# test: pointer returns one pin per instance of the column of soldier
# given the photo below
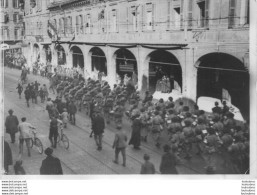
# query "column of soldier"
(190, 131)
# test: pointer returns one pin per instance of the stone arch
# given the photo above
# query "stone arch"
(61, 55)
(98, 60)
(77, 57)
(223, 76)
(126, 64)
(48, 53)
(164, 63)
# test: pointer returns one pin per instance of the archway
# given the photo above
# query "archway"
(61, 56)
(164, 68)
(224, 76)
(48, 54)
(77, 57)
(126, 65)
(36, 53)
(98, 60)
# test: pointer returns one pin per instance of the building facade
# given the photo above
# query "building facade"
(202, 46)
(12, 26)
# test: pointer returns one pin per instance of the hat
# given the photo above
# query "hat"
(10, 111)
(48, 151)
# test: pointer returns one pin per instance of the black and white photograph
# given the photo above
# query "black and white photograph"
(128, 87)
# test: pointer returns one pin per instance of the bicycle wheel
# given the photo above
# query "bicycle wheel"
(65, 141)
(31, 143)
(39, 145)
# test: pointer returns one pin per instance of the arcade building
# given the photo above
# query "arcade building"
(200, 46)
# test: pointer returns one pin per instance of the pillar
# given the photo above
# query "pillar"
(143, 70)
(87, 61)
(111, 66)
(189, 73)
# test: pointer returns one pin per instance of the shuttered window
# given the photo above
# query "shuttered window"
(207, 8)
(232, 13)
(77, 24)
(81, 24)
(181, 14)
(149, 16)
(190, 14)
(88, 23)
(16, 3)
(4, 3)
(203, 21)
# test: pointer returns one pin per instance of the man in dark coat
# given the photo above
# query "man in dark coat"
(217, 109)
(7, 156)
(27, 93)
(53, 133)
(11, 125)
(51, 165)
(136, 133)
(98, 125)
(72, 111)
(169, 161)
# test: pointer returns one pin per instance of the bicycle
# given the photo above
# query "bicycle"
(62, 137)
(37, 142)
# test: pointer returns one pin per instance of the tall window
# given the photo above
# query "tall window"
(6, 34)
(16, 34)
(4, 3)
(149, 16)
(69, 25)
(16, 3)
(114, 20)
(203, 14)
(20, 18)
(79, 24)
(176, 19)
(6, 18)
(88, 24)
(190, 15)
(15, 17)
(232, 13)
(244, 13)
(134, 18)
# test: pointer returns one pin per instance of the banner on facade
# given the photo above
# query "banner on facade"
(126, 67)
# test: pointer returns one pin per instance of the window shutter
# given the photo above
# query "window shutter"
(13, 3)
(6, 3)
(207, 7)
(81, 24)
(232, 13)
(190, 14)
(77, 24)
(153, 16)
(181, 14)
